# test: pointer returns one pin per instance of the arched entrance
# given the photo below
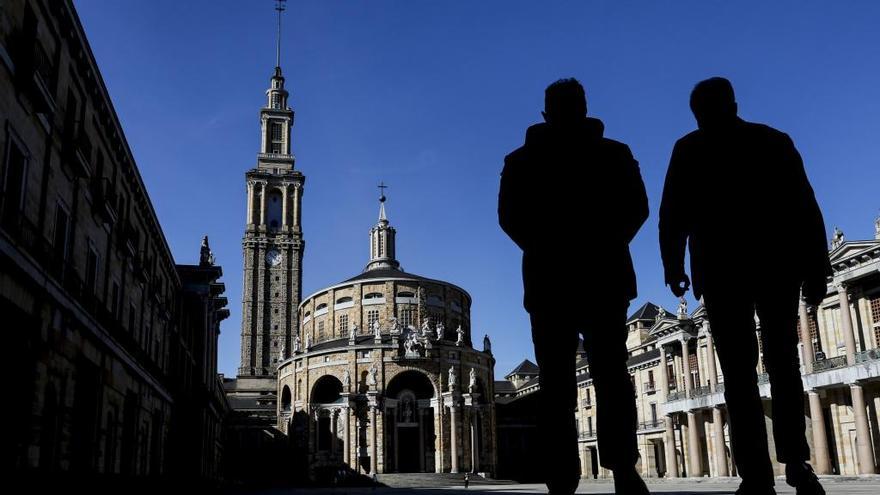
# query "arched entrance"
(409, 416)
(324, 401)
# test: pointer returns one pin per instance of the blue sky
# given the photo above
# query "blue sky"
(430, 96)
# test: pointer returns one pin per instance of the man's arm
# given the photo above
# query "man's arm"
(674, 227)
(635, 198)
(512, 205)
(817, 265)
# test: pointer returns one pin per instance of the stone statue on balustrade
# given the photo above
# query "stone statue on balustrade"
(377, 329)
(487, 344)
(296, 343)
(346, 380)
(372, 376)
(440, 330)
(352, 332)
(453, 379)
(426, 327)
(395, 325)
(460, 332)
(472, 381)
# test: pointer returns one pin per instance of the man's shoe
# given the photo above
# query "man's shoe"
(746, 488)
(800, 475)
(629, 483)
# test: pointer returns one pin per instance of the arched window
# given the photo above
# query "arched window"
(342, 300)
(321, 306)
(285, 399)
(273, 213)
(405, 294)
(374, 295)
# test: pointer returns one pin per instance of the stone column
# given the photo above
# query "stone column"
(710, 358)
(346, 442)
(669, 448)
(686, 366)
(374, 452)
(846, 320)
(718, 433)
(453, 437)
(694, 450)
(438, 433)
(284, 201)
(334, 417)
(865, 452)
(297, 192)
(263, 203)
(820, 441)
(808, 355)
(669, 432)
(250, 202)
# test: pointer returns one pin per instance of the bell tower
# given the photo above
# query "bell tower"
(273, 243)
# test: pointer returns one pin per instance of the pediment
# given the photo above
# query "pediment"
(855, 251)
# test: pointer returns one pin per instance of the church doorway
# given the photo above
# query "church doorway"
(410, 435)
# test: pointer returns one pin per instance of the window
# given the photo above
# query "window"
(589, 426)
(374, 295)
(343, 300)
(14, 181)
(406, 317)
(875, 317)
(653, 412)
(91, 268)
(132, 312)
(61, 234)
(372, 316)
(343, 324)
(405, 294)
(277, 144)
(114, 300)
(320, 330)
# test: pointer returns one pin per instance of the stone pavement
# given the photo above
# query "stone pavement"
(834, 486)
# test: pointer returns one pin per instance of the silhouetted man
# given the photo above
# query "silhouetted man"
(572, 200)
(732, 188)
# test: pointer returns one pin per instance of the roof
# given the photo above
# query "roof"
(525, 368)
(385, 273)
(648, 311)
(504, 387)
(644, 357)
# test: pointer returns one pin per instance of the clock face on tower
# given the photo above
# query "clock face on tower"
(273, 257)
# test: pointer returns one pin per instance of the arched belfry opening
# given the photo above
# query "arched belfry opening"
(409, 416)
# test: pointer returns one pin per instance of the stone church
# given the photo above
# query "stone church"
(383, 377)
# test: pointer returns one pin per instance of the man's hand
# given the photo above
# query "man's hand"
(679, 284)
(814, 290)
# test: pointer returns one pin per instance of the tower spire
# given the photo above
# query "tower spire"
(280, 6)
(382, 246)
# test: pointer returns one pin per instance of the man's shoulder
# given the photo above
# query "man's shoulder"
(764, 131)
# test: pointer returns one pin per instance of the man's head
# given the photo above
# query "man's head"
(713, 103)
(564, 102)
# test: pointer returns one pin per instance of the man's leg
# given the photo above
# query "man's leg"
(555, 347)
(778, 315)
(733, 329)
(605, 344)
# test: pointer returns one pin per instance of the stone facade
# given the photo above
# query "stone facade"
(112, 345)
(382, 375)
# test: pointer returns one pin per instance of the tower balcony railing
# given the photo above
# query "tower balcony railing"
(586, 403)
(676, 395)
(829, 364)
(650, 387)
(868, 355)
(587, 435)
(701, 391)
(653, 424)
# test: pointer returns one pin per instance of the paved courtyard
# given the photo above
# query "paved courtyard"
(833, 487)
